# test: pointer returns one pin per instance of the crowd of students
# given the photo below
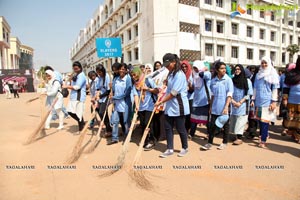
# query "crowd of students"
(181, 95)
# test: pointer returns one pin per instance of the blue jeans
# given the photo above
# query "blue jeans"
(180, 127)
(116, 118)
(264, 130)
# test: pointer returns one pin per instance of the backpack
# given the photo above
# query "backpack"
(64, 91)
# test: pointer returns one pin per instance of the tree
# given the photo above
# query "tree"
(42, 77)
(292, 49)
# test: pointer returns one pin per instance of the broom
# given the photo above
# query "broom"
(122, 155)
(32, 137)
(138, 176)
(31, 100)
(96, 142)
(77, 148)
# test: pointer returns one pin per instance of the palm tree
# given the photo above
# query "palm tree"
(292, 49)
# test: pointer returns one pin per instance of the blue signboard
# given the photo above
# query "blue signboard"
(108, 47)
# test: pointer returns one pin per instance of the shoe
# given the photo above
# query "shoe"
(47, 127)
(191, 137)
(112, 142)
(262, 145)
(107, 135)
(238, 142)
(81, 125)
(167, 153)
(148, 147)
(206, 147)
(222, 146)
(183, 152)
(60, 127)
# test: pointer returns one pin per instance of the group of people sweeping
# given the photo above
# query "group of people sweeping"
(180, 95)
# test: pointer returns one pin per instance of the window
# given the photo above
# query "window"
(136, 53)
(3, 33)
(219, 3)
(283, 21)
(298, 24)
(234, 29)
(249, 11)
(220, 27)
(136, 30)
(136, 7)
(208, 49)
(122, 38)
(249, 54)
(272, 16)
(128, 13)
(129, 34)
(208, 2)
(220, 50)
(234, 52)
(298, 41)
(129, 56)
(249, 31)
(262, 14)
(291, 39)
(283, 57)
(208, 24)
(283, 38)
(273, 56)
(272, 36)
(261, 34)
(122, 19)
(261, 54)
(291, 23)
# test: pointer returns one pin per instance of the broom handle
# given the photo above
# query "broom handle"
(146, 131)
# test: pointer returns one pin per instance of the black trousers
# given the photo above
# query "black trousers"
(214, 129)
(80, 123)
(144, 119)
(101, 110)
(159, 126)
(16, 94)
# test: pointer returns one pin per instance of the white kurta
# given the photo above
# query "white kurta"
(53, 89)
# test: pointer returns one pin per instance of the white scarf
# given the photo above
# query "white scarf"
(269, 74)
(198, 81)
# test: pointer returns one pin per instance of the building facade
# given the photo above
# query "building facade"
(192, 29)
(14, 53)
(4, 43)
(26, 57)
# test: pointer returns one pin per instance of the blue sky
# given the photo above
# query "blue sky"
(48, 26)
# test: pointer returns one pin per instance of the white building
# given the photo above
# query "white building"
(14, 53)
(193, 29)
(4, 43)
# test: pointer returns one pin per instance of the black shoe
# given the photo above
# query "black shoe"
(81, 125)
(112, 142)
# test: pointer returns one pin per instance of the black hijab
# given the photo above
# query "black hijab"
(240, 81)
(293, 77)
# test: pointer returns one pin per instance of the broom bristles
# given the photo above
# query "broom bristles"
(33, 136)
(77, 148)
(122, 155)
(141, 181)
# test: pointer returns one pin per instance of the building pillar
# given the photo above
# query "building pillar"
(1, 56)
(14, 62)
(4, 58)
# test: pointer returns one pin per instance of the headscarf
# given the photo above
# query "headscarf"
(240, 81)
(269, 74)
(150, 66)
(291, 66)
(228, 71)
(189, 69)
(201, 67)
(52, 74)
(140, 83)
(293, 77)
